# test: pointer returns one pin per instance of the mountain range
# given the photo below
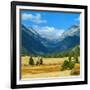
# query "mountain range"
(33, 43)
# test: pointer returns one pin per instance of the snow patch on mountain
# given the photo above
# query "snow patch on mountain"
(72, 31)
(50, 33)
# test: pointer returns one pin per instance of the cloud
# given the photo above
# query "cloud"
(37, 18)
(49, 32)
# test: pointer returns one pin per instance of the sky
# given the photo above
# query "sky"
(49, 24)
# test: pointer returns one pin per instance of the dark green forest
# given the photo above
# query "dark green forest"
(72, 52)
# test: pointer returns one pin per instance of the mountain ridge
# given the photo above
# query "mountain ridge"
(35, 44)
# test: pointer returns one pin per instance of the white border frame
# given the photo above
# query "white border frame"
(50, 80)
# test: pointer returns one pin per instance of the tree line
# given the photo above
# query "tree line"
(70, 52)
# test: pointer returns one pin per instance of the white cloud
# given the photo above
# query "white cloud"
(37, 18)
(49, 32)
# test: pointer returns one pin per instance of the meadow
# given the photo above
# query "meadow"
(51, 67)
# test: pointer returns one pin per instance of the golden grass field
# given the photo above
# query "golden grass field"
(51, 68)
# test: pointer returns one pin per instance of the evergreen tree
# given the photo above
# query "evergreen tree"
(41, 61)
(37, 63)
(69, 58)
(65, 65)
(76, 59)
(31, 61)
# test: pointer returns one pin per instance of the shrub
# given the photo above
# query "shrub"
(68, 64)
(65, 65)
(71, 64)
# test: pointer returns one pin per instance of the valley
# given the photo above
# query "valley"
(45, 57)
(33, 42)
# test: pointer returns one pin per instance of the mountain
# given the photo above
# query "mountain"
(69, 38)
(33, 43)
(69, 52)
(74, 30)
(30, 41)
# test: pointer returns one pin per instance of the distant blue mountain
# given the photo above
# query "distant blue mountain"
(33, 43)
(69, 38)
(30, 40)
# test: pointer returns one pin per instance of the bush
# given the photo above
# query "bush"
(71, 64)
(68, 65)
(65, 65)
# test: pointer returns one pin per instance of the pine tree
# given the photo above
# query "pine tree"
(31, 61)
(69, 58)
(37, 63)
(41, 61)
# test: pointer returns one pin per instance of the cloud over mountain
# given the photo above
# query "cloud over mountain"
(50, 33)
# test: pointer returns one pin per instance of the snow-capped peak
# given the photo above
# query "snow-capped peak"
(74, 30)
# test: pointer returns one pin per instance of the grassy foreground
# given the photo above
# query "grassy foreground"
(51, 68)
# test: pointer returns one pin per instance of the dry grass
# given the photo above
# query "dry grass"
(51, 68)
(40, 69)
(76, 70)
(49, 74)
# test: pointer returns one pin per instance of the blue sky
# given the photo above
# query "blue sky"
(54, 22)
